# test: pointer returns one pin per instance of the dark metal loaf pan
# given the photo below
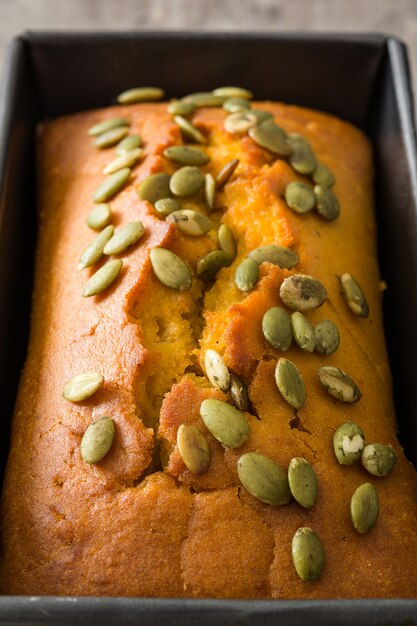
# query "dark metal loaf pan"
(363, 79)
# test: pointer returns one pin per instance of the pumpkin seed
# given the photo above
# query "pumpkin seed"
(94, 251)
(327, 204)
(354, 295)
(303, 332)
(226, 423)
(193, 448)
(303, 482)
(103, 278)
(190, 222)
(205, 99)
(302, 292)
(155, 187)
(225, 173)
(378, 459)
(348, 443)
(140, 94)
(272, 137)
(125, 160)
(170, 269)
(124, 238)
(185, 155)
(189, 130)
(338, 384)
(209, 189)
(209, 265)
(106, 125)
(262, 116)
(323, 176)
(327, 337)
(263, 478)
(247, 274)
(302, 158)
(276, 327)
(216, 370)
(111, 185)
(299, 197)
(110, 138)
(364, 508)
(82, 386)
(277, 255)
(97, 440)
(127, 144)
(239, 393)
(290, 383)
(165, 206)
(186, 181)
(232, 105)
(227, 242)
(240, 122)
(181, 107)
(99, 217)
(307, 554)
(233, 92)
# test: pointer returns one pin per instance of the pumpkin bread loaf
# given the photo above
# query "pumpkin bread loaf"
(145, 504)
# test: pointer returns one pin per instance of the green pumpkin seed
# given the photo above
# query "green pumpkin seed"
(272, 137)
(327, 204)
(190, 222)
(307, 554)
(82, 386)
(276, 327)
(185, 155)
(97, 440)
(125, 160)
(155, 187)
(103, 278)
(110, 138)
(323, 176)
(303, 482)
(348, 443)
(378, 459)
(233, 92)
(302, 292)
(165, 206)
(124, 238)
(327, 337)
(239, 393)
(181, 107)
(132, 142)
(354, 295)
(209, 265)
(189, 130)
(262, 116)
(209, 189)
(216, 370)
(204, 99)
(170, 270)
(140, 94)
(299, 197)
(290, 383)
(95, 250)
(364, 508)
(106, 125)
(240, 122)
(263, 478)
(99, 217)
(277, 255)
(193, 448)
(227, 242)
(302, 158)
(232, 105)
(111, 185)
(187, 181)
(225, 422)
(247, 274)
(338, 384)
(303, 332)
(225, 173)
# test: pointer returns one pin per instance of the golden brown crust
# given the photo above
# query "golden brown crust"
(120, 528)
